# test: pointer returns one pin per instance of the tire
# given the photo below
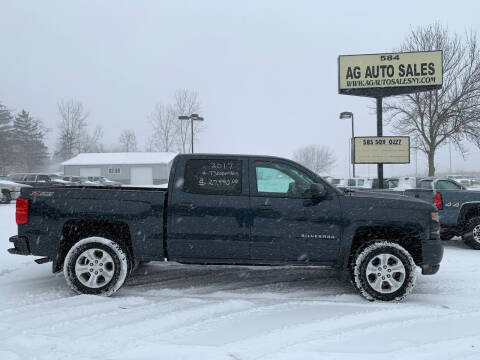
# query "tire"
(96, 266)
(471, 237)
(394, 264)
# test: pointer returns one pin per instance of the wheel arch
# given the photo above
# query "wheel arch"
(407, 237)
(75, 230)
(467, 211)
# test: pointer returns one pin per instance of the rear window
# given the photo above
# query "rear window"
(447, 185)
(213, 176)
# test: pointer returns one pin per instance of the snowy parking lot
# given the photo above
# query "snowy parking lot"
(175, 311)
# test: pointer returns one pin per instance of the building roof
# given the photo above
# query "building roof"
(121, 158)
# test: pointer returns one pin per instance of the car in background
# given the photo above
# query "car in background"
(103, 181)
(36, 179)
(9, 189)
(432, 183)
(17, 177)
(333, 181)
(463, 179)
(79, 180)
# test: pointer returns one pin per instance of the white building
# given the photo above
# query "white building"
(136, 168)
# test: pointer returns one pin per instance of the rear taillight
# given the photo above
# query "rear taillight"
(438, 201)
(21, 213)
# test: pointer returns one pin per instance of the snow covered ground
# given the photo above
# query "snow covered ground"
(172, 311)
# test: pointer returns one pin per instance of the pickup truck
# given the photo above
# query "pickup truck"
(232, 210)
(459, 213)
(458, 207)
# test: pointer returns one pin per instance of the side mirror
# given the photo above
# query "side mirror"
(318, 191)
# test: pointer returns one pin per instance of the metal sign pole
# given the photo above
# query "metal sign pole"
(380, 133)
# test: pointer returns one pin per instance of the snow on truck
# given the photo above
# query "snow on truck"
(232, 210)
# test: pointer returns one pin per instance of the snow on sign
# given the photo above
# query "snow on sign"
(389, 74)
(382, 149)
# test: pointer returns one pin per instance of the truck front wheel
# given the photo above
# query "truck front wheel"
(471, 237)
(384, 271)
(96, 266)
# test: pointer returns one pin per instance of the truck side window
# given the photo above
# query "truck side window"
(278, 179)
(212, 176)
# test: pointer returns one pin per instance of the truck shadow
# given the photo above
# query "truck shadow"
(205, 279)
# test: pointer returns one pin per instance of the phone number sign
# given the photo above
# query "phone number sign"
(381, 150)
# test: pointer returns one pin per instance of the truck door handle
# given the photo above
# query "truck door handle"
(264, 207)
(186, 205)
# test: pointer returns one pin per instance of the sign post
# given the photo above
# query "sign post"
(380, 133)
(388, 74)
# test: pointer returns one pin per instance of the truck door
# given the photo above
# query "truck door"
(287, 224)
(208, 210)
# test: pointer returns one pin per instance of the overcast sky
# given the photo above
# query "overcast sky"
(266, 71)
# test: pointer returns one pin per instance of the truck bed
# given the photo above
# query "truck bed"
(59, 212)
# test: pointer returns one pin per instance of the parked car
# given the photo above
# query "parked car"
(9, 189)
(231, 209)
(17, 177)
(103, 181)
(35, 179)
(79, 181)
(433, 183)
(461, 179)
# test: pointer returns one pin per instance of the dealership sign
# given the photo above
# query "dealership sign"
(380, 75)
(381, 150)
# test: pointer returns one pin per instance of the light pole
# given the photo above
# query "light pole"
(349, 115)
(191, 118)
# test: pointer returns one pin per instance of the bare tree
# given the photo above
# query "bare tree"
(73, 137)
(450, 114)
(165, 131)
(92, 142)
(128, 141)
(316, 158)
(186, 102)
(73, 124)
(168, 132)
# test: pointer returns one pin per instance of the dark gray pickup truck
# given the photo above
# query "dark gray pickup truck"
(235, 210)
(458, 208)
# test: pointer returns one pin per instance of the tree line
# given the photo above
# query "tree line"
(23, 142)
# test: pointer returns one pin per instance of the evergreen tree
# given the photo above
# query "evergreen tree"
(29, 143)
(6, 157)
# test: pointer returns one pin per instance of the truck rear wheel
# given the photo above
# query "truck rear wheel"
(471, 237)
(96, 266)
(384, 271)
